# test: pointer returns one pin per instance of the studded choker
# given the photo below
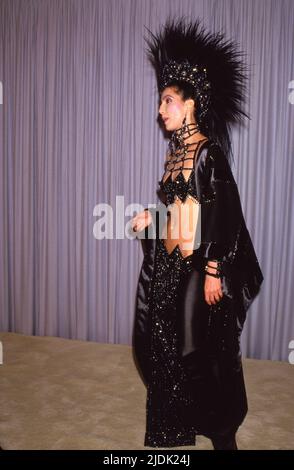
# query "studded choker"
(177, 141)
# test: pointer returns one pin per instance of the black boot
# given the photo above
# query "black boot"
(225, 442)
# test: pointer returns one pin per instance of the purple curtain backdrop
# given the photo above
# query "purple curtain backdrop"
(78, 109)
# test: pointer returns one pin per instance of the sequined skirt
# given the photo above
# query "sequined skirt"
(196, 383)
(168, 399)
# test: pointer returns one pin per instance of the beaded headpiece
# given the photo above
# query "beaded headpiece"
(186, 53)
(196, 75)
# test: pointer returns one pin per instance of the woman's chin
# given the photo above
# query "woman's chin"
(168, 126)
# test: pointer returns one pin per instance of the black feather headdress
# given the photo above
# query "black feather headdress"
(185, 52)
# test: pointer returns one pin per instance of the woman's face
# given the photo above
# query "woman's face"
(172, 109)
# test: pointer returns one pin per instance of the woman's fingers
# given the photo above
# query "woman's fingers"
(212, 290)
(140, 221)
(134, 223)
(213, 299)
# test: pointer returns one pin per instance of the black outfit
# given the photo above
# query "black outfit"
(187, 350)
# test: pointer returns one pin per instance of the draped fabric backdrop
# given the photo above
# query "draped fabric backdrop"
(78, 129)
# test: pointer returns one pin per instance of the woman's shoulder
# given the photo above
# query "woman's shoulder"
(210, 151)
(213, 147)
(212, 156)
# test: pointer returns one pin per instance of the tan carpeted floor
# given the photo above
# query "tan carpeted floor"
(66, 394)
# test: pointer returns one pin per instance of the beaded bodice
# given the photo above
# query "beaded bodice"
(179, 187)
(179, 179)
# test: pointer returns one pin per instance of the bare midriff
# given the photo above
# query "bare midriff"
(180, 228)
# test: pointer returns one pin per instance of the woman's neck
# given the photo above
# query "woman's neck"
(187, 133)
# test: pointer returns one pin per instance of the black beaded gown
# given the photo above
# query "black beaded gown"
(189, 351)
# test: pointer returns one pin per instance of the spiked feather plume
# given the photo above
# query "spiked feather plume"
(179, 41)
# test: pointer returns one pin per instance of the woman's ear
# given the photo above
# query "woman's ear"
(190, 109)
(190, 105)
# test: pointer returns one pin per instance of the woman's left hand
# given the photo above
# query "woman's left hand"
(212, 285)
(212, 289)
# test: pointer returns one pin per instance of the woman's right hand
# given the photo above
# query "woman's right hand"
(141, 221)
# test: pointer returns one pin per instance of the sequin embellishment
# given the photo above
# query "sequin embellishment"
(167, 398)
(179, 187)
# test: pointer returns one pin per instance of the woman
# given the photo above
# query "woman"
(200, 272)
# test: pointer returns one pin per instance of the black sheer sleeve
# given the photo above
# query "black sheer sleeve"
(224, 235)
(221, 212)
